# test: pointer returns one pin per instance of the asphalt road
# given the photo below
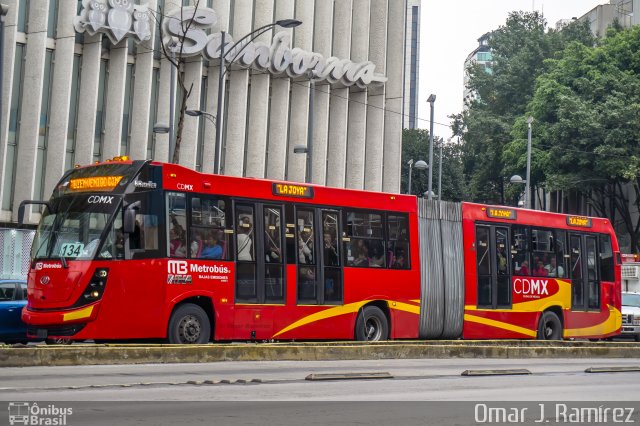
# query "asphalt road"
(276, 392)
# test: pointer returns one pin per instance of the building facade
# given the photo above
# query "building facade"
(411, 64)
(481, 55)
(75, 93)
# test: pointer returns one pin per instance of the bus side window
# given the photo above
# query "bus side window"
(606, 259)
(520, 250)
(177, 224)
(398, 243)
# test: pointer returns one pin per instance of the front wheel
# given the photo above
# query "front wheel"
(189, 324)
(550, 327)
(372, 325)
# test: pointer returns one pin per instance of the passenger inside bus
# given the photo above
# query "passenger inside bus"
(554, 269)
(177, 242)
(212, 249)
(524, 268)
(362, 254)
(330, 250)
(244, 240)
(539, 270)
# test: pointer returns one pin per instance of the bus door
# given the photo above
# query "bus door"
(585, 280)
(319, 261)
(260, 275)
(494, 266)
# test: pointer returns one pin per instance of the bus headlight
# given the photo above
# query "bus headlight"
(95, 288)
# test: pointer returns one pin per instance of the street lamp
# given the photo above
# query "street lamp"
(284, 23)
(517, 178)
(160, 128)
(199, 113)
(527, 189)
(420, 165)
(431, 99)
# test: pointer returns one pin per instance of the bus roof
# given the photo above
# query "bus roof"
(180, 178)
(486, 212)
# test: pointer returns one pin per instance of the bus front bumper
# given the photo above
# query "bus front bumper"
(45, 324)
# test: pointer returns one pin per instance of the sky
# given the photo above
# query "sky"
(449, 32)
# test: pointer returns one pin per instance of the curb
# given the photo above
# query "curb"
(29, 356)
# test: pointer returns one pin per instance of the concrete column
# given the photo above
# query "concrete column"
(357, 127)
(236, 115)
(393, 109)
(209, 149)
(189, 144)
(9, 52)
(142, 87)
(376, 97)
(31, 105)
(374, 140)
(322, 40)
(279, 108)
(60, 93)
(259, 100)
(114, 104)
(339, 104)
(299, 120)
(357, 130)
(88, 98)
(162, 117)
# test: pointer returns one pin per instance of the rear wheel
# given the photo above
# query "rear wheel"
(550, 327)
(189, 324)
(372, 324)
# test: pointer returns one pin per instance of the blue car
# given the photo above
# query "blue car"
(13, 297)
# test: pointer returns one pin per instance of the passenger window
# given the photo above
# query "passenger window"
(209, 234)
(398, 243)
(177, 225)
(607, 271)
(543, 252)
(364, 246)
(520, 250)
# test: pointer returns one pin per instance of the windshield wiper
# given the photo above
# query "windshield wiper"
(63, 260)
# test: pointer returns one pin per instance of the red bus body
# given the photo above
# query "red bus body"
(139, 297)
(530, 296)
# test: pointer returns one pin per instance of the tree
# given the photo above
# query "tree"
(587, 109)
(415, 146)
(491, 127)
(172, 50)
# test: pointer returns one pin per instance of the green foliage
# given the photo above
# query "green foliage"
(415, 146)
(494, 127)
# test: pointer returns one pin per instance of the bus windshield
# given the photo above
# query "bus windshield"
(79, 227)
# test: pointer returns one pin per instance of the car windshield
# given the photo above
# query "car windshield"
(77, 227)
(629, 299)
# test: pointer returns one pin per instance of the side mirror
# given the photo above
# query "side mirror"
(25, 203)
(129, 225)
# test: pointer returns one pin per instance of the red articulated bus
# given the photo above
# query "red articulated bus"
(145, 250)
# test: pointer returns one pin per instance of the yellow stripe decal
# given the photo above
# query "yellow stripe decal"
(350, 308)
(500, 324)
(82, 313)
(611, 324)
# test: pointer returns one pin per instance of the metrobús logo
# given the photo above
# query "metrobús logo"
(180, 272)
(40, 266)
(177, 272)
(32, 414)
(209, 269)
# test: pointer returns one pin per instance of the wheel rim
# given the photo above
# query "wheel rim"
(189, 329)
(549, 329)
(372, 329)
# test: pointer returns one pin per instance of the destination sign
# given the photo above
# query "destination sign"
(501, 213)
(581, 221)
(94, 183)
(290, 190)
